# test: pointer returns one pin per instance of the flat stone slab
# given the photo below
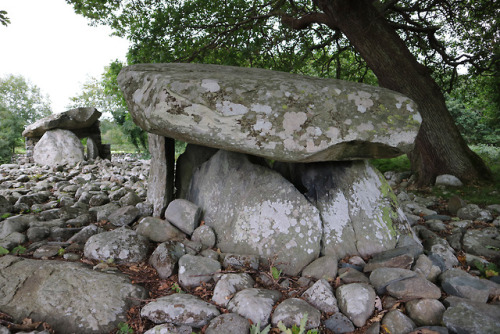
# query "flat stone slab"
(276, 115)
(71, 297)
(78, 118)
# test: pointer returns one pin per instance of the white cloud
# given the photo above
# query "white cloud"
(55, 48)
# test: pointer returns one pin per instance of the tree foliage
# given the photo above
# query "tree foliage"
(475, 106)
(329, 38)
(272, 33)
(4, 20)
(21, 103)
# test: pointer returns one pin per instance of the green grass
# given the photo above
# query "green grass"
(482, 194)
(398, 164)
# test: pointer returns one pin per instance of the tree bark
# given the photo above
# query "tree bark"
(439, 146)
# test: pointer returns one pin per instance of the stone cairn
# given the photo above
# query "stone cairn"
(274, 181)
(55, 139)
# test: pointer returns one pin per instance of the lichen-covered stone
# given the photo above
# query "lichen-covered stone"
(78, 118)
(291, 311)
(121, 245)
(276, 115)
(71, 297)
(58, 147)
(360, 213)
(254, 210)
(180, 309)
(254, 304)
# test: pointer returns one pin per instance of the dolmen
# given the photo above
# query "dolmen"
(55, 139)
(276, 162)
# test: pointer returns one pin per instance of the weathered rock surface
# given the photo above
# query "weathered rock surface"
(276, 115)
(70, 296)
(254, 304)
(465, 316)
(360, 213)
(228, 323)
(291, 311)
(158, 230)
(180, 309)
(356, 301)
(78, 118)
(321, 296)
(58, 147)
(193, 270)
(165, 257)
(121, 245)
(253, 210)
(228, 285)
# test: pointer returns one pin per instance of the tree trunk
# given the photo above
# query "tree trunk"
(439, 146)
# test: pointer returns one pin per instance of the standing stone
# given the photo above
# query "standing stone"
(255, 211)
(360, 213)
(58, 147)
(92, 149)
(276, 115)
(161, 173)
(192, 158)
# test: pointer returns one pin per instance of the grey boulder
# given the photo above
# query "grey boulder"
(180, 309)
(71, 297)
(58, 147)
(122, 245)
(291, 311)
(254, 304)
(356, 301)
(254, 210)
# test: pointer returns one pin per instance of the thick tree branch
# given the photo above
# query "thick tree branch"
(406, 27)
(306, 21)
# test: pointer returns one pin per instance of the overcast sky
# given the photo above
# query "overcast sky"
(54, 48)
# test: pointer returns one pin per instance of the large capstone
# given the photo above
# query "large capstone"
(254, 210)
(73, 119)
(276, 115)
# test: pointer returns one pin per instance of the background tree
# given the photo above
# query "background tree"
(409, 45)
(4, 20)
(105, 95)
(21, 103)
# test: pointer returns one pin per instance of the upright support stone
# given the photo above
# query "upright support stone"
(161, 173)
(92, 150)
